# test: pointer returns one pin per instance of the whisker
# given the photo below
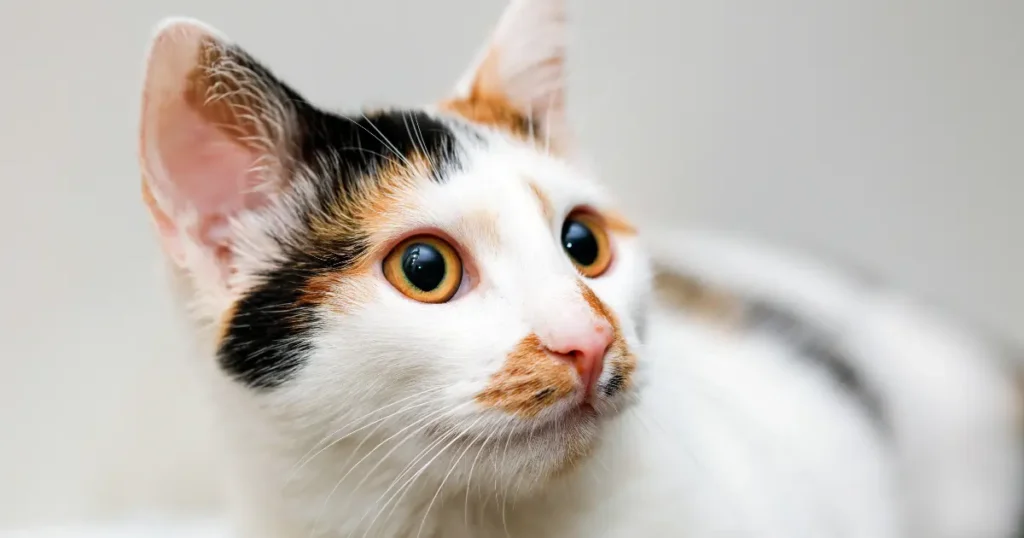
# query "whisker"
(469, 481)
(445, 479)
(504, 456)
(383, 139)
(547, 123)
(407, 485)
(371, 152)
(417, 137)
(508, 427)
(398, 445)
(303, 461)
(356, 451)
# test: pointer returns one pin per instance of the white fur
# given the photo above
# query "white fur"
(951, 397)
(725, 433)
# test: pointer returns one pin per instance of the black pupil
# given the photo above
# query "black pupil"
(424, 266)
(579, 242)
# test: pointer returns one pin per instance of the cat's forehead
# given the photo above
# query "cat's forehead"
(510, 181)
(429, 170)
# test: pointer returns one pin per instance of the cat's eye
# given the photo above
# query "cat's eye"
(586, 242)
(424, 268)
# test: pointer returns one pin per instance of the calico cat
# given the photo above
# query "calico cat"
(433, 322)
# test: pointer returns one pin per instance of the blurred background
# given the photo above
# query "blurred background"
(886, 134)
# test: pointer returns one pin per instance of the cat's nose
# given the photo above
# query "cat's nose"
(584, 348)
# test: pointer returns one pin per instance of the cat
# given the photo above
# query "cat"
(434, 322)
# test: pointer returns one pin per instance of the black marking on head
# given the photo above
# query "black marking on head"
(368, 142)
(363, 142)
(271, 331)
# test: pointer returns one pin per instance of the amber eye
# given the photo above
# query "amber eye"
(424, 268)
(586, 242)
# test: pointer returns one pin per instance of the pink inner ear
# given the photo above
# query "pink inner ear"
(207, 169)
(199, 169)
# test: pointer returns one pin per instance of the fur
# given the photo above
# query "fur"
(744, 391)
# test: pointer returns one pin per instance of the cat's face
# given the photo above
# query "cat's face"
(434, 276)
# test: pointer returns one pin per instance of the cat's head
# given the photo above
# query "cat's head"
(435, 273)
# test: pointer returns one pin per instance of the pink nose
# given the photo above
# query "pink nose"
(585, 350)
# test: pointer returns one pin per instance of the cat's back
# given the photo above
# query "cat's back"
(847, 379)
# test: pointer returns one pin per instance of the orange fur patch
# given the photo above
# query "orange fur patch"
(596, 304)
(692, 296)
(367, 210)
(225, 322)
(617, 223)
(388, 194)
(487, 104)
(623, 361)
(531, 380)
(319, 289)
(491, 112)
(338, 290)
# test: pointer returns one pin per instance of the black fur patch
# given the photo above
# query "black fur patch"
(271, 331)
(818, 346)
(613, 385)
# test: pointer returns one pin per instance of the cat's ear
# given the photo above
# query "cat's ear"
(217, 130)
(518, 79)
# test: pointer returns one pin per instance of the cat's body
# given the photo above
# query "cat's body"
(434, 324)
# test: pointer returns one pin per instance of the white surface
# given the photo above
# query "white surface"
(888, 134)
(139, 529)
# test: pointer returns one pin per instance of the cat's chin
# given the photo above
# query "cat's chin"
(558, 445)
(582, 420)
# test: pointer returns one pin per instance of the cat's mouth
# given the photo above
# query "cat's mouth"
(576, 426)
(580, 421)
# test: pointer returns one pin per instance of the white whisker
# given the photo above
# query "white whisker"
(445, 479)
(472, 466)
(303, 461)
(407, 485)
(438, 415)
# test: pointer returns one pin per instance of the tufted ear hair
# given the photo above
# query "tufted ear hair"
(517, 82)
(218, 132)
